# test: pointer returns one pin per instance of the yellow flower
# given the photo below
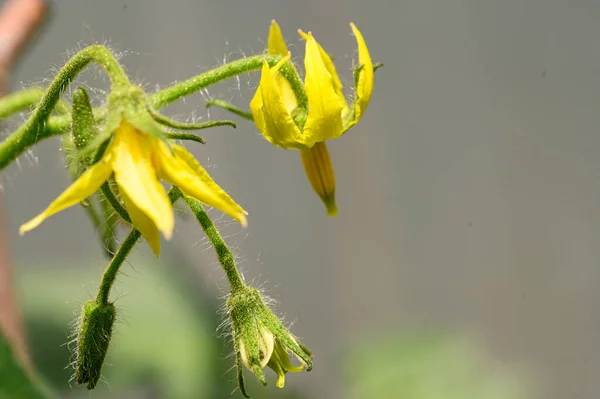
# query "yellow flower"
(275, 107)
(137, 161)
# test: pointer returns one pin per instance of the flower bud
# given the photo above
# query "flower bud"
(83, 130)
(93, 337)
(260, 339)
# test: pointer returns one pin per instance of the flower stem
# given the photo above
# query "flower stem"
(114, 202)
(108, 278)
(227, 71)
(223, 253)
(39, 126)
(22, 100)
(34, 128)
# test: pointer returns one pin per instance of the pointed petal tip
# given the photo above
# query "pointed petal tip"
(280, 381)
(32, 224)
(156, 251)
(168, 234)
(304, 35)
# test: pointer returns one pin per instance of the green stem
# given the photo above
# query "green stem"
(24, 99)
(38, 127)
(114, 202)
(108, 233)
(223, 253)
(90, 208)
(110, 274)
(227, 71)
(108, 278)
(19, 101)
(34, 128)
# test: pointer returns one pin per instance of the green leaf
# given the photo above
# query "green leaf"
(14, 383)
(425, 365)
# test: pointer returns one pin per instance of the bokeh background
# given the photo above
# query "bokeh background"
(468, 195)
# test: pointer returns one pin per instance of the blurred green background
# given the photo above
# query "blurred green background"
(465, 255)
(168, 344)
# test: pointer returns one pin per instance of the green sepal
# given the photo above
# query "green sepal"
(231, 108)
(173, 124)
(240, 373)
(186, 136)
(131, 103)
(145, 123)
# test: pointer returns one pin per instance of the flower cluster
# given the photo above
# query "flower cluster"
(120, 154)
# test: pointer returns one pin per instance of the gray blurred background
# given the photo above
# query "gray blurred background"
(469, 194)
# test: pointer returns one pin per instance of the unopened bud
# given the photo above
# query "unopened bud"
(261, 339)
(83, 130)
(93, 337)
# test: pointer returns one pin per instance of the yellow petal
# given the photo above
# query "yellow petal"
(290, 102)
(337, 84)
(276, 44)
(82, 188)
(137, 177)
(319, 170)
(184, 171)
(256, 107)
(266, 344)
(364, 87)
(280, 383)
(325, 106)
(278, 127)
(143, 223)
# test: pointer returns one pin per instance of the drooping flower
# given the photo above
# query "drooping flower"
(283, 123)
(138, 161)
(261, 340)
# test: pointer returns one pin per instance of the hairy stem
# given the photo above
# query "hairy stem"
(39, 126)
(110, 274)
(225, 256)
(114, 202)
(108, 278)
(25, 99)
(34, 128)
(227, 71)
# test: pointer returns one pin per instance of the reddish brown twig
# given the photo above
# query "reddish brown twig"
(19, 20)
